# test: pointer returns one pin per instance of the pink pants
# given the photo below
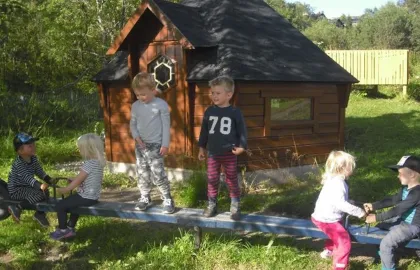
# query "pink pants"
(339, 242)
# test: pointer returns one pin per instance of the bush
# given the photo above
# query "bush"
(413, 89)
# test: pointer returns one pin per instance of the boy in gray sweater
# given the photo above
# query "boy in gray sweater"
(149, 125)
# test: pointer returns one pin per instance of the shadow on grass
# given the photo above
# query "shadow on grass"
(103, 240)
(378, 142)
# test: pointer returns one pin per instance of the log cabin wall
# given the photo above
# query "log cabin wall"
(290, 143)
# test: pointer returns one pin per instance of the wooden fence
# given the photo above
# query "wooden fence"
(374, 67)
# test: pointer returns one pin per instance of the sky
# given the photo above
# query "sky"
(335, 8)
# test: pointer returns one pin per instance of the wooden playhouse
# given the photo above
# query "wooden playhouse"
(293, 96)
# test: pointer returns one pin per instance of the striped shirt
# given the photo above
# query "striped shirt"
(23, 174)
(91, 187)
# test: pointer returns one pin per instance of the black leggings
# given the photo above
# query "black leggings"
(67, 204)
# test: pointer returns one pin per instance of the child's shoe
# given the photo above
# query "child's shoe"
(211, 209)
(59, 234)
(14, 210)
(42, 219)
(143, 203)
(168, 206)
(326, 253)
(235, 212)
(73, 230)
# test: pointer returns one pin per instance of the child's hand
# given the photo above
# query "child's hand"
(201, 154)
(163, 150)
(44, 186)
(371, 218)
(238, 150)
(140, 142)
(368, 207)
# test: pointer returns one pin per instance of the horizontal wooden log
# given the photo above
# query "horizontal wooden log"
(328, 98)
(251, 110)
(287, 151)
(285, 141)
(250, 121)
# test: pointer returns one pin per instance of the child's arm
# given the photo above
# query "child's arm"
(241, 133)
(75, 182)
(204, 135)
(340, 202)
(384, 203)
(23, 177)
(166, 125)
(401, 207)
(41, 173)
(133, 127)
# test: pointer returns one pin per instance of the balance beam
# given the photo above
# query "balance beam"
(248, 222)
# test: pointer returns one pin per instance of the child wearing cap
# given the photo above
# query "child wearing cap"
(405, 206)
(22, 185)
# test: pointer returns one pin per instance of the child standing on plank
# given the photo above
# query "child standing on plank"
(22, 184)
(150, 125)
(331, 205)
(223, 134)
(405, 207)
(88, 182)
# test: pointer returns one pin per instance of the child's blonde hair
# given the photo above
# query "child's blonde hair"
(91, 146)
(225, 81)
(339, 163)
(143, 80)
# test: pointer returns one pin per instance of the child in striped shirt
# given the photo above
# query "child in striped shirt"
(88, 183)
(22, 185)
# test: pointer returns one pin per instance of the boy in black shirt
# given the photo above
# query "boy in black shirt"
(223, 134)
(406, 206)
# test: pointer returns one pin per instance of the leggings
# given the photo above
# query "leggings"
(67, 204)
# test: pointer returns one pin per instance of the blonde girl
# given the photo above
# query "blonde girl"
(88, 183)
(331, 205)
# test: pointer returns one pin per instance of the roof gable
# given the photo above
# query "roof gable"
(157, 7)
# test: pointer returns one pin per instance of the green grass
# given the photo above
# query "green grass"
(379, 130)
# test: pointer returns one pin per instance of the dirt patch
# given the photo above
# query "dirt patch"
(6, 258)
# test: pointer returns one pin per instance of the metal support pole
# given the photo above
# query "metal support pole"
(197, 237)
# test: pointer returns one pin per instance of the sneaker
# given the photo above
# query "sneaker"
(326, 253)
(42, 219)
(235, 212)
(168, 206)
(143, 203)
(59, 234)
(73, 230)
(211, 210)
(15, 212)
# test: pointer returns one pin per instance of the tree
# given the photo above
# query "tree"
(327, 36)
(387, 28)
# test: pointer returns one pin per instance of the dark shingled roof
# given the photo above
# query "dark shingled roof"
(188, 21)
(256, 43)
(247, 40)
(115, 70)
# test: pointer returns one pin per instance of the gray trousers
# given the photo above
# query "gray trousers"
(399, 235)
(151, 170)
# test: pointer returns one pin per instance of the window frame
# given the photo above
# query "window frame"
(268, 95)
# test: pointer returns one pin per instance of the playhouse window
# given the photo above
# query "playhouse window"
(163, 70)
(291, 109)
